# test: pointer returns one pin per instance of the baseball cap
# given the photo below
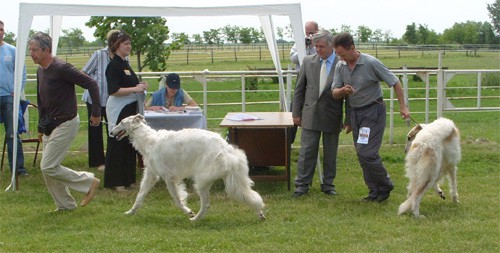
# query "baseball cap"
(173, 81)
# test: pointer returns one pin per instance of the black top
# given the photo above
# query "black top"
(119, 74)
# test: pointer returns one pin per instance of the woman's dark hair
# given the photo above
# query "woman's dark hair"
(116, 38)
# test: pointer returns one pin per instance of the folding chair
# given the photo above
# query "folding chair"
(24, 134)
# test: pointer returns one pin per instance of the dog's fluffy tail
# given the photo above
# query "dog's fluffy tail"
(238, 184)
(406, 206)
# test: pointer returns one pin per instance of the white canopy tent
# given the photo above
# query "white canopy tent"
(56, 11)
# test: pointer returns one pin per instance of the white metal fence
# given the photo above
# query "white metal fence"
(440, 87)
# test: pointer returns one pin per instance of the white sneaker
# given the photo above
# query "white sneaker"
(101, 167)
(120, 189)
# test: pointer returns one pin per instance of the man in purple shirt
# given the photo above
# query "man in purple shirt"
(59, 122)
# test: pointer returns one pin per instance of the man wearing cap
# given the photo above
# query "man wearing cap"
(170, 97)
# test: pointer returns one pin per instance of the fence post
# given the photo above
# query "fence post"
(440, 88)
(205, 93)
(425, 77)
(283, 51)
(479, 90)
(391, 117)
(405, 87)
(243, 107)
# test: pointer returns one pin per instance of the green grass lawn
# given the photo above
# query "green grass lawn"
(313, 223)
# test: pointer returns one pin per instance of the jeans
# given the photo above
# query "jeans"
(6, 111)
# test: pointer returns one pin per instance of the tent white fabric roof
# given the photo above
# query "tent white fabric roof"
(56, 11)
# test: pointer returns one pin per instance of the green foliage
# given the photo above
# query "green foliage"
(364, 33)
(148, 35)
(490, 79)
(470, 32)
(494, 13)
(410, 36)
(10, 38)
(72, 38)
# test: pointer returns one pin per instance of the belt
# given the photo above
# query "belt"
(64, 118)
(377, 101)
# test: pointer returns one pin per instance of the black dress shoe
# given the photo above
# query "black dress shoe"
(22, 174)
(383, 196)
(298, 194)
(331, 192)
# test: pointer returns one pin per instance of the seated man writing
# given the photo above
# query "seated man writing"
(170, 97)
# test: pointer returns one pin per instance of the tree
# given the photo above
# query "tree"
(182, 38)
(245, 35)
(364, 33)
(423, 34)
(494, 10)
(377, 36)
(212, 36)
(333, 31)
(410, 35)
(197, 39)
(231, 33)
(345, 29)
(148, 36)
(256, 34)
(10, 38)
(72, 38)
(280, 34)
(387, 36)
(487, 34)
(289, 31)
(463, 33)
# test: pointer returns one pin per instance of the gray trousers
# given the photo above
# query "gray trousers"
(60, 179)
(308, 156)
(374, 172)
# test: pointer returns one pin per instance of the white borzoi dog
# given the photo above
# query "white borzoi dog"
(433, 151)
(198, 154)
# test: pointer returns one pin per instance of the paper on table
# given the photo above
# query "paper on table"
(242, 117)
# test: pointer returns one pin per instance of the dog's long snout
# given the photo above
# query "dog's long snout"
(117, 133)
(408, 144)
(411, 136)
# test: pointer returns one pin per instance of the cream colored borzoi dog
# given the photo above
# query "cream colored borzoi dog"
(198, 154)
(433, 151)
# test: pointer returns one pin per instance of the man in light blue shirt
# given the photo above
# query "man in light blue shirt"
(7, 67)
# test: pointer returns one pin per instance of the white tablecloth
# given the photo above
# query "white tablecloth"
(175, 121)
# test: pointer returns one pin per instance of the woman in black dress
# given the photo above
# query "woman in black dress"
(126, 98)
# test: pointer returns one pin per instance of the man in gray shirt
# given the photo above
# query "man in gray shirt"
(358, 76)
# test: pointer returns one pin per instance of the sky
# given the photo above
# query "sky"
(386, 15)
